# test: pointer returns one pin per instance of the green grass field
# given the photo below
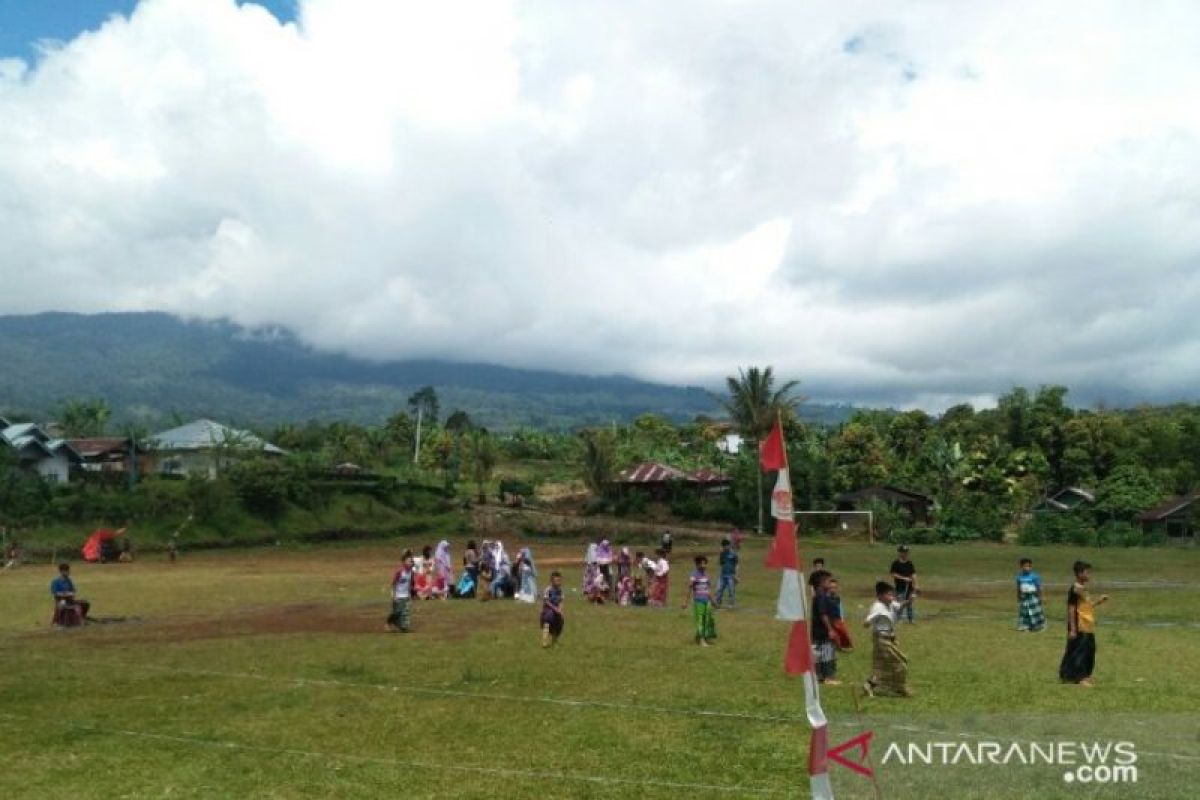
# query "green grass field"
(267, 673)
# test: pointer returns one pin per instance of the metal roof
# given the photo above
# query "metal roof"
(1169, 507)
(204, 434)
(655, 472)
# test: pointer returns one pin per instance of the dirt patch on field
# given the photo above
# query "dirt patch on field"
(307, 618)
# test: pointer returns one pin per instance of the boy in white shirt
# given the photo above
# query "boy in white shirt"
(889, 666)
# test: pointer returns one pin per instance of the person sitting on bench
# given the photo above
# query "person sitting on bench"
(68, 609)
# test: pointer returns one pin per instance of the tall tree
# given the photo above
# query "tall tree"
(424, 403)
(599, 461)
(481, 456)
(754, 404)
(81, 419)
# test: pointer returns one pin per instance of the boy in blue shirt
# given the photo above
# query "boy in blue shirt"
(1030, 616)
(728, 581)
(68, 609)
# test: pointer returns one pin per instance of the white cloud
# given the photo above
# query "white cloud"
(904, 204)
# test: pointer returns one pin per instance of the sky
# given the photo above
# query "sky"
(910, 203)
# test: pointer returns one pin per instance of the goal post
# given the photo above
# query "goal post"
(870, 519)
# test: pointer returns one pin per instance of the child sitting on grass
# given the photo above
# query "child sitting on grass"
(639, 592)
(552, 614)
(889, 666)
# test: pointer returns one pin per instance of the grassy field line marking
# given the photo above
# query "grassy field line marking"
(566, 701)
(744, 791)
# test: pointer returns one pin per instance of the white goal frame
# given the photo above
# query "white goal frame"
(870, 515)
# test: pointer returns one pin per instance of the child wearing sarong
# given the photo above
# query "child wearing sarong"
(729, 569)
(551, 619)
(402, 592)
(1079, 660)
(700, 593)
(838, 631)
(824, 650)
(889, 666)
(660, 586)
(1030, 616)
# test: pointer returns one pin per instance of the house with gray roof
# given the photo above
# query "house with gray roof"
(37, 451)
(204, 447)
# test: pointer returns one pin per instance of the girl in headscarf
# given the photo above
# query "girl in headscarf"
(527, 572)
(502, 580)
(604, 557)
(589, 567)
(443, 570)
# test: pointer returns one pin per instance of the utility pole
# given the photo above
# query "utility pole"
(417, 450)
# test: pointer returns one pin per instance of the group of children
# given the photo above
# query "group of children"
(609, 577)
(1079, 660)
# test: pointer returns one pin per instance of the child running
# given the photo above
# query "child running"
(552, 613)
(889, 666)
(1079, 661)
(700, 593)
(402, 592)
(1030, 616)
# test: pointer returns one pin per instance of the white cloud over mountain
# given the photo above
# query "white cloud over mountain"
(905, 202)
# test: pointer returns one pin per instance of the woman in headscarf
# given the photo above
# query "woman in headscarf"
(527, 572)
(443, 570)
(502, 581)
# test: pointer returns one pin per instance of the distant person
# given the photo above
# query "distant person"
(1079, 660)
(69, 608)
(889, 665)
(700, 595)
(604, 560)
(173, 549)
(736, 538)
(661, 585)
(904, 573)
(1030, 614)
(527, 591)
(487, 574)
(12, 555)
(729, 570)
(403, 582)
(824, 612)
(666, 542)
(625, 589)
(818, 575)
(126, 555)
(552, 619)
(443, 570)
(640, 598)
(838, 631)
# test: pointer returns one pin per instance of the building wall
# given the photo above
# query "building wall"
(56, 469)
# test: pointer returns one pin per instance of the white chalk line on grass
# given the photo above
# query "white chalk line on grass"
(228, 744)
(572, 702)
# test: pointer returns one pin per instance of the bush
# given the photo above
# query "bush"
(688, 506)
(978, 513)
(1057, 527)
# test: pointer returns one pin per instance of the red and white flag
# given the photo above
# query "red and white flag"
(784, 555)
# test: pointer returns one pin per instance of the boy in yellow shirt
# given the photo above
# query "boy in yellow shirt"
(1079, 660)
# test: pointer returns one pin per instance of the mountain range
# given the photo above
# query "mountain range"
(155, 368)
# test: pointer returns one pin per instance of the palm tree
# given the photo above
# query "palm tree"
(754, 404)
(85, 418)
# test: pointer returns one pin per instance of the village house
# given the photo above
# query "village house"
(1068, 498)
(1178, 517)
(656, 480)
(203, 447)
(918, 506)
(35, 450)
